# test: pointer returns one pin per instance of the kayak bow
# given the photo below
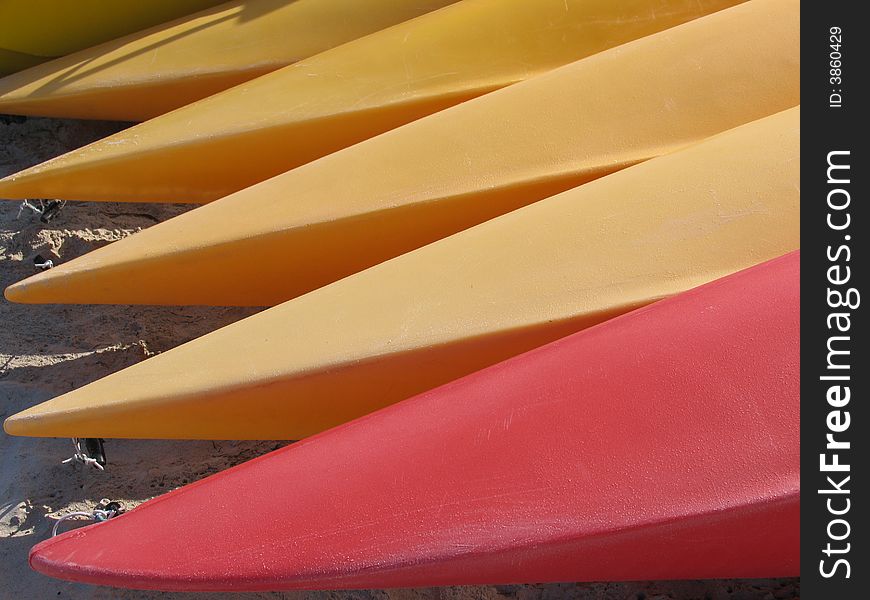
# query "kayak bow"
(663, 444)
(463, 303)
(439, 175)
(342, 96)
(152, 72)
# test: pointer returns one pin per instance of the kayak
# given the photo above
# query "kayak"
(152, 72)
(449, 171)
(155, 71)
(604, 456)
(37, 30)
(292, 116)
(15, 61)
(462, 303)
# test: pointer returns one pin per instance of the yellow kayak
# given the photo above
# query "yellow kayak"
(37, 30)
(287, 118)
(15, 61)
(452, 170)
(462, 303)
(152, 72)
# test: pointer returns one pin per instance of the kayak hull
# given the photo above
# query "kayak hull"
(663, 444)
(158, 70)
(434, 177)
(460, 304)
(15, 61)
(340, 97)
(49, 28)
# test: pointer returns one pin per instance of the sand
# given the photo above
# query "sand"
(47, 350)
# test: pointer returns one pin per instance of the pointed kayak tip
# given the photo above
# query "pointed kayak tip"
(32, 422)
(10, 188)
(17, 292)
(10, 102)
(35, 422)
(31, 182)
(47, 287)
(40, 562)
(353, 508)
(14, 425)
(32, 290)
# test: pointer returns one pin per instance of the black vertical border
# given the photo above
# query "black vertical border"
(826, 129)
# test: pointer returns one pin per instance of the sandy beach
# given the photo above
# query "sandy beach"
(47, 350)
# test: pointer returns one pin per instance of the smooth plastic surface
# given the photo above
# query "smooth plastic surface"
(42, 29)
(462, 303)
(663, 444)
(317, 106)
(432, 178)
(15, 61)
(152, 72)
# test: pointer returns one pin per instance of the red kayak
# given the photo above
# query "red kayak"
(662, 444)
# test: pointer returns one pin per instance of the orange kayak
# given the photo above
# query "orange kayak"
(32, 31)
(462, 303)
(151, 72)
(316, 106)
(449, 171)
